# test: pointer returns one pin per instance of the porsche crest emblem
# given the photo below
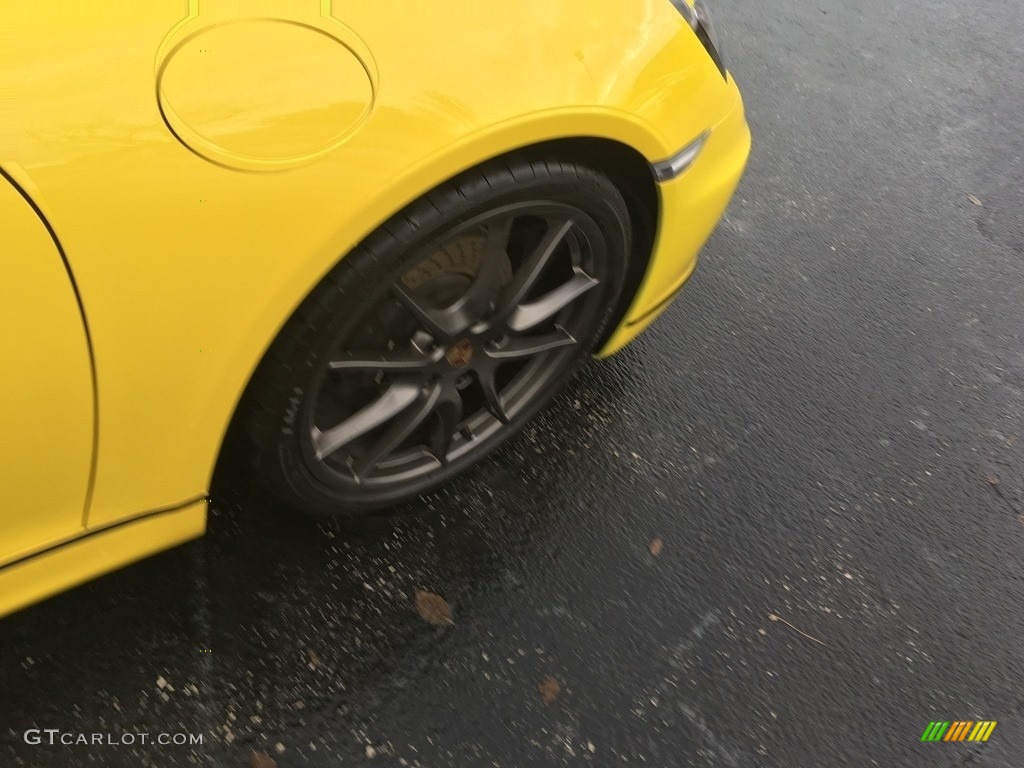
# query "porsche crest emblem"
(460, 353)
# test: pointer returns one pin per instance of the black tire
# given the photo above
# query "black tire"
(465, 272)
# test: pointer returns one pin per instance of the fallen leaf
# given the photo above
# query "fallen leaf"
(549, 689)
(433, 608)
(974, 200)
(992, 479)
(262, 760)
(656, 545)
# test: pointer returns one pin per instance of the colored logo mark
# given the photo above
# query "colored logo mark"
(958, 730)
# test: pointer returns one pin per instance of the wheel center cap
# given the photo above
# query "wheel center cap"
(460, 353)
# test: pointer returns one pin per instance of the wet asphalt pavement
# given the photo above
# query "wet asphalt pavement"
(826, 429)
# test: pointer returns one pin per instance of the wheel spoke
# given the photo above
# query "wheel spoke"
(442, 324)
(498, 233)
(533, 266)
(399, 396)
(526, 316)
(487, 283)
(397, 362)
(397, 431)
(489, 386)
(449, 414)
(527, 346)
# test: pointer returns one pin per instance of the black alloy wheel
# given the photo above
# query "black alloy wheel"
(439, 336)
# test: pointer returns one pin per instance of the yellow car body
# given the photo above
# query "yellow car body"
(178, 174)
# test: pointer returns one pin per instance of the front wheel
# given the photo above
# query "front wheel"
(438, 337)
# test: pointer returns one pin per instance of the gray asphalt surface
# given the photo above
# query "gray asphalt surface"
(826, 429)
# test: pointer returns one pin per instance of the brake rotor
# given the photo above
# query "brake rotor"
(444, 275)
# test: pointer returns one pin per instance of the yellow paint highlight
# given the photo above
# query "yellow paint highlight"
(978, 730)
(988, 731)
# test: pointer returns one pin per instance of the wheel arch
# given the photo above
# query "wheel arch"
(624, 164)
